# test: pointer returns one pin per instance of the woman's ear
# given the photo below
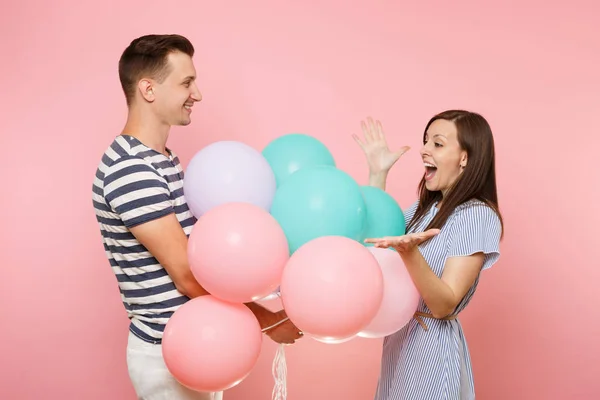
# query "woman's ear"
(463, 160)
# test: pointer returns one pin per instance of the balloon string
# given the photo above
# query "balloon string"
(268, 328)
(279, 371)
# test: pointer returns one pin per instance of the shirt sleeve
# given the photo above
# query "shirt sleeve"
(136, 191)
(476, 229)
(409, 213)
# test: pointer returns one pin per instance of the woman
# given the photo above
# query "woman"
(453, 233)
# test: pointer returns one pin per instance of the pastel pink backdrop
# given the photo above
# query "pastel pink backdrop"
(267, 68)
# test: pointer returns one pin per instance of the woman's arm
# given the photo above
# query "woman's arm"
(378, 180)
(474, 240)
(442, 296)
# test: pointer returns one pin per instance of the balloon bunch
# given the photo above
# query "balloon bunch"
(285, 219)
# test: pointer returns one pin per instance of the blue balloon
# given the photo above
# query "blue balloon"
(384, 215)
(290, 153)
(319, 201)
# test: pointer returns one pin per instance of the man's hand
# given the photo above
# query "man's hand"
(264, 316)
(286, 333)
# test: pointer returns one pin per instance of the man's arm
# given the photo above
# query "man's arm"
(166, 241)
(142, 199)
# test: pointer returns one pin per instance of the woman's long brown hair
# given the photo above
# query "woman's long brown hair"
(478, 179)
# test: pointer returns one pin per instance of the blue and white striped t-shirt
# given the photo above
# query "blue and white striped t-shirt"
(135, 184)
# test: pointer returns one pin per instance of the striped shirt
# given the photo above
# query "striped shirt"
(435, 364)
(135, 184)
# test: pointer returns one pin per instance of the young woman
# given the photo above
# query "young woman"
(453, 233)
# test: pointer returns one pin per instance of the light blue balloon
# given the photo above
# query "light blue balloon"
(319, 201)
(384, 215)
(289, 153)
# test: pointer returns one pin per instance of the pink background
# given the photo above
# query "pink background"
(267, 68)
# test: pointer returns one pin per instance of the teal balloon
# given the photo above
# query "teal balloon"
(290, 153)
(319, 201)
(384, 215)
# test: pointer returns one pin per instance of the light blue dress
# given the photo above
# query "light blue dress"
(435, 364)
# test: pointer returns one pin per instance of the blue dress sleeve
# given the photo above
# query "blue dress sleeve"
(409, 213)
(476, 229)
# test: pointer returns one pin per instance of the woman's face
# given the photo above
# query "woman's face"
(442, 156)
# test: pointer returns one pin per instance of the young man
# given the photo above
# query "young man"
(142, 213)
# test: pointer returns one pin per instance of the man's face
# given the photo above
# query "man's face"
(175, 96)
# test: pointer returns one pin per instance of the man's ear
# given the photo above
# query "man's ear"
(146, 89)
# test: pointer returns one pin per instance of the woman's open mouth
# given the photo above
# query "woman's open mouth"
(430, 171)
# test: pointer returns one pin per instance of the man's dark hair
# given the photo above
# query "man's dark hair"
(147, 56)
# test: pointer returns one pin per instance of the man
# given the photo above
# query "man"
(142, 213)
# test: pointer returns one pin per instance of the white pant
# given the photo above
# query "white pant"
(150, 377)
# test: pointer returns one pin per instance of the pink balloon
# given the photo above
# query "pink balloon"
(400, 296)
(210, 345)
(330, 340)
(237, 252)
(332, 288)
